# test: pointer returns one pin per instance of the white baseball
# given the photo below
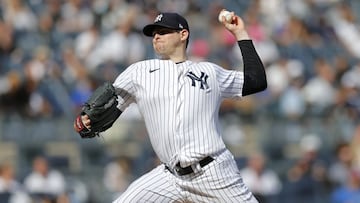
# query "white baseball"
(226, 14)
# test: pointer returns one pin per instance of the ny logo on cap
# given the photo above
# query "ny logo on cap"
(158, 18)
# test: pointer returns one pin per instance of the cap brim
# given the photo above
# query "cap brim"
(149, 29)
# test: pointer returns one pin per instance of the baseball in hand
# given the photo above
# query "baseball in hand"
(226, 14)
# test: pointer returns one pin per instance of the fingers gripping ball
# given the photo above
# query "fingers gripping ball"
(226, 14)
(101, 108)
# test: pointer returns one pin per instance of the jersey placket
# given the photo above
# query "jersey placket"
(180, 107)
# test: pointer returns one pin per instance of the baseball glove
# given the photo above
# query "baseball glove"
(102, 111)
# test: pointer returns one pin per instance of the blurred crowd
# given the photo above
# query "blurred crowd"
(298, 141)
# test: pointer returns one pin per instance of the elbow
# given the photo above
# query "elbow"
(260, 87)
(254, 86)
(263, 86)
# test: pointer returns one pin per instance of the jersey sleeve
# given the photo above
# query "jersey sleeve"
(124, 88)
(230, 82)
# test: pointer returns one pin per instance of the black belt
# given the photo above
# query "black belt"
(188, 170)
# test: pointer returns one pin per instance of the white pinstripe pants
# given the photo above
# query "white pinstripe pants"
(219, 182)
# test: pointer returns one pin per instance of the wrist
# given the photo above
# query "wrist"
(242, 35)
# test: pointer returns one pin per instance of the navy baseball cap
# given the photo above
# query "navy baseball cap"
(166, 20)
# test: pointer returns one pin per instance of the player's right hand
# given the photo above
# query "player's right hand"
(86, 121)
(82, 121)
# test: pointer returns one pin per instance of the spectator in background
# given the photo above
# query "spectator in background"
(342, 65)
(7, 45)
(199, 50)
(307, 178)
(9, 82)
(117, 176)
(291, 102)
(44, 183)
(10, 78)
(17, 14)
(119, 48)
(43, 35)
(7, 178)
(346, 28)
(280, 74)
(261, 180)
(350, 192)
(351, 91)
(76, 77)
(319, 92)
(10, 189)
(75, 16)
(48, 96)
(86, 41)
(266, 47)
(339, 170)
(355, 143)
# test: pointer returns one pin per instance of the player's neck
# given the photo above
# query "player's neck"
(178, 59)
(179, 56)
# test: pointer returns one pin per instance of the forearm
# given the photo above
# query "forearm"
(241, 35)
(254, 71)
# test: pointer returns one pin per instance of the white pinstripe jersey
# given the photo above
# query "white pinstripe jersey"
(179, 104)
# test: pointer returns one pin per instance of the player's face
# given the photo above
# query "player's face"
(166, 41)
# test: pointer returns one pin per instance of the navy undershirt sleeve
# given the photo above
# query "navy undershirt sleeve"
(254, 71)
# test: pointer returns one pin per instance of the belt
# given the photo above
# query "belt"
(188, 170)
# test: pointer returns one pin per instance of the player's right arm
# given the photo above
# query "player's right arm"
(123, 87)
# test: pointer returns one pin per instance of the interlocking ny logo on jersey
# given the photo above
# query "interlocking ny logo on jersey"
(202, 80)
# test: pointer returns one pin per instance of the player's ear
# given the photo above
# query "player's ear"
(184, 34)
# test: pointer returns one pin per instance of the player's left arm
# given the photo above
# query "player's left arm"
(254, 71)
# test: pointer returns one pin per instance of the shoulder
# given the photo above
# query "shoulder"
(145, 63)
(207, 66)
(213, 67)
(31, 177)
(55, 174)
(148, 62)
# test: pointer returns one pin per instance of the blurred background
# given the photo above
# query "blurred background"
(296, 142)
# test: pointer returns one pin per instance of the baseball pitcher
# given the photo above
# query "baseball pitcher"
(179, 100)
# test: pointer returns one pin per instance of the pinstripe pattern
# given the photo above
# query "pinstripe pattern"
(219, 181)
(156, 186)
(180, 104)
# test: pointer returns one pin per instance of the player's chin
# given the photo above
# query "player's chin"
(158, 48)
(161, 53)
